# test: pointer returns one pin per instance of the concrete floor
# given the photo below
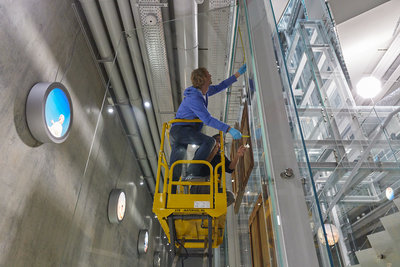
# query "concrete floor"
(53, 198)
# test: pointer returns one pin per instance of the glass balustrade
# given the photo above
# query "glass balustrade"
(348, 154)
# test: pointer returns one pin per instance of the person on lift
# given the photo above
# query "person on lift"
(194, 106)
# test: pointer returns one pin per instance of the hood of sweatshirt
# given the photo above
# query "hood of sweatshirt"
(190, 91)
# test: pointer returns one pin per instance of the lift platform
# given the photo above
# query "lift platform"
(192, 222)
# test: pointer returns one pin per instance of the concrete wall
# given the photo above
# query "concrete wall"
(53, 198)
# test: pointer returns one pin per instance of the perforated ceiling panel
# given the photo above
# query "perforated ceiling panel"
(152, 31)
(236, 96)
(220, 25)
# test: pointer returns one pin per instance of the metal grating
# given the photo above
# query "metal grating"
(219, 28)
(234, 109)
(154, 42)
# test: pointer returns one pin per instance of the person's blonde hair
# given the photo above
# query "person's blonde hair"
(198, 77)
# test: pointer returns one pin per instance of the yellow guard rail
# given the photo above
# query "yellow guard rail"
(190, 220)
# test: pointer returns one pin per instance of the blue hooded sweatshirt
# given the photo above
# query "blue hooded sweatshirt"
(194, 105)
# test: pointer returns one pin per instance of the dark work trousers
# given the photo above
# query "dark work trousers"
(180, 137)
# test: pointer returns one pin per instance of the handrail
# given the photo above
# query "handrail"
(162, 161)
(182, 183)
(183, 120)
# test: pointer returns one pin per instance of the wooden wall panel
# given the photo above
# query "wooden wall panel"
(245, 165)
(261, 235)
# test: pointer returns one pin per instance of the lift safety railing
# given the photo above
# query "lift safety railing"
(163, 163)
(190, 221)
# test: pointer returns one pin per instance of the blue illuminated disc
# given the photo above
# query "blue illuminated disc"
(57, 113)
(389, 193)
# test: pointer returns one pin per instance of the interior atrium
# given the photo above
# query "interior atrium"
(87, 88)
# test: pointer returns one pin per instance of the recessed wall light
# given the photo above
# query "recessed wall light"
(116, 206)
(143, 241)
(49, 112)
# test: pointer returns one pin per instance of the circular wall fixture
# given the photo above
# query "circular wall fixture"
(143, 241)
(49, 112)
(116, 206)
(389, 193)
(332, 234)
(151, 19)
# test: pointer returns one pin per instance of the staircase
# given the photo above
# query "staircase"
(385, 251)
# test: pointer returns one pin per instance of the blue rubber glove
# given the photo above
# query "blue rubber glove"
(235, 133)
(242, 69)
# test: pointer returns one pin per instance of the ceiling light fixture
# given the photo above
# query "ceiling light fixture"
(147, 104)
(110, 110)
(368, 87)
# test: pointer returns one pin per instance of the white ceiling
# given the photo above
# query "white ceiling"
(367, 36)
(345, 10)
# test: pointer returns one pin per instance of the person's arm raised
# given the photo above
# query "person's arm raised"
(239, 154)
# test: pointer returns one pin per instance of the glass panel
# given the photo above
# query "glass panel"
(347, 154)
(260, 181)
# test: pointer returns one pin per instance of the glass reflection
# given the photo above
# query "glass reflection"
(57, 112)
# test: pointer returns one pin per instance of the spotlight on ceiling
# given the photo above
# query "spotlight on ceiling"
(147, 104)
(368, 87)
(110, 110)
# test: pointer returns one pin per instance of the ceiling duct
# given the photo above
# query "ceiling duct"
(131, 37)
(106, 53)
(150, 33)
(186, 39)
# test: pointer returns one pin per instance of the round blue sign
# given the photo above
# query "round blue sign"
(57, 113)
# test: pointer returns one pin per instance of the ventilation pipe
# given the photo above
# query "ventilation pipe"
(105, 51)
(176, 96)
(186, 39)
(115, 31)
(129, 27)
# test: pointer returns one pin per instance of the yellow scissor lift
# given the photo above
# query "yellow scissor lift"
(191, 221)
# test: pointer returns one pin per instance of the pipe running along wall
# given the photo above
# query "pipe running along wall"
(95, 23)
